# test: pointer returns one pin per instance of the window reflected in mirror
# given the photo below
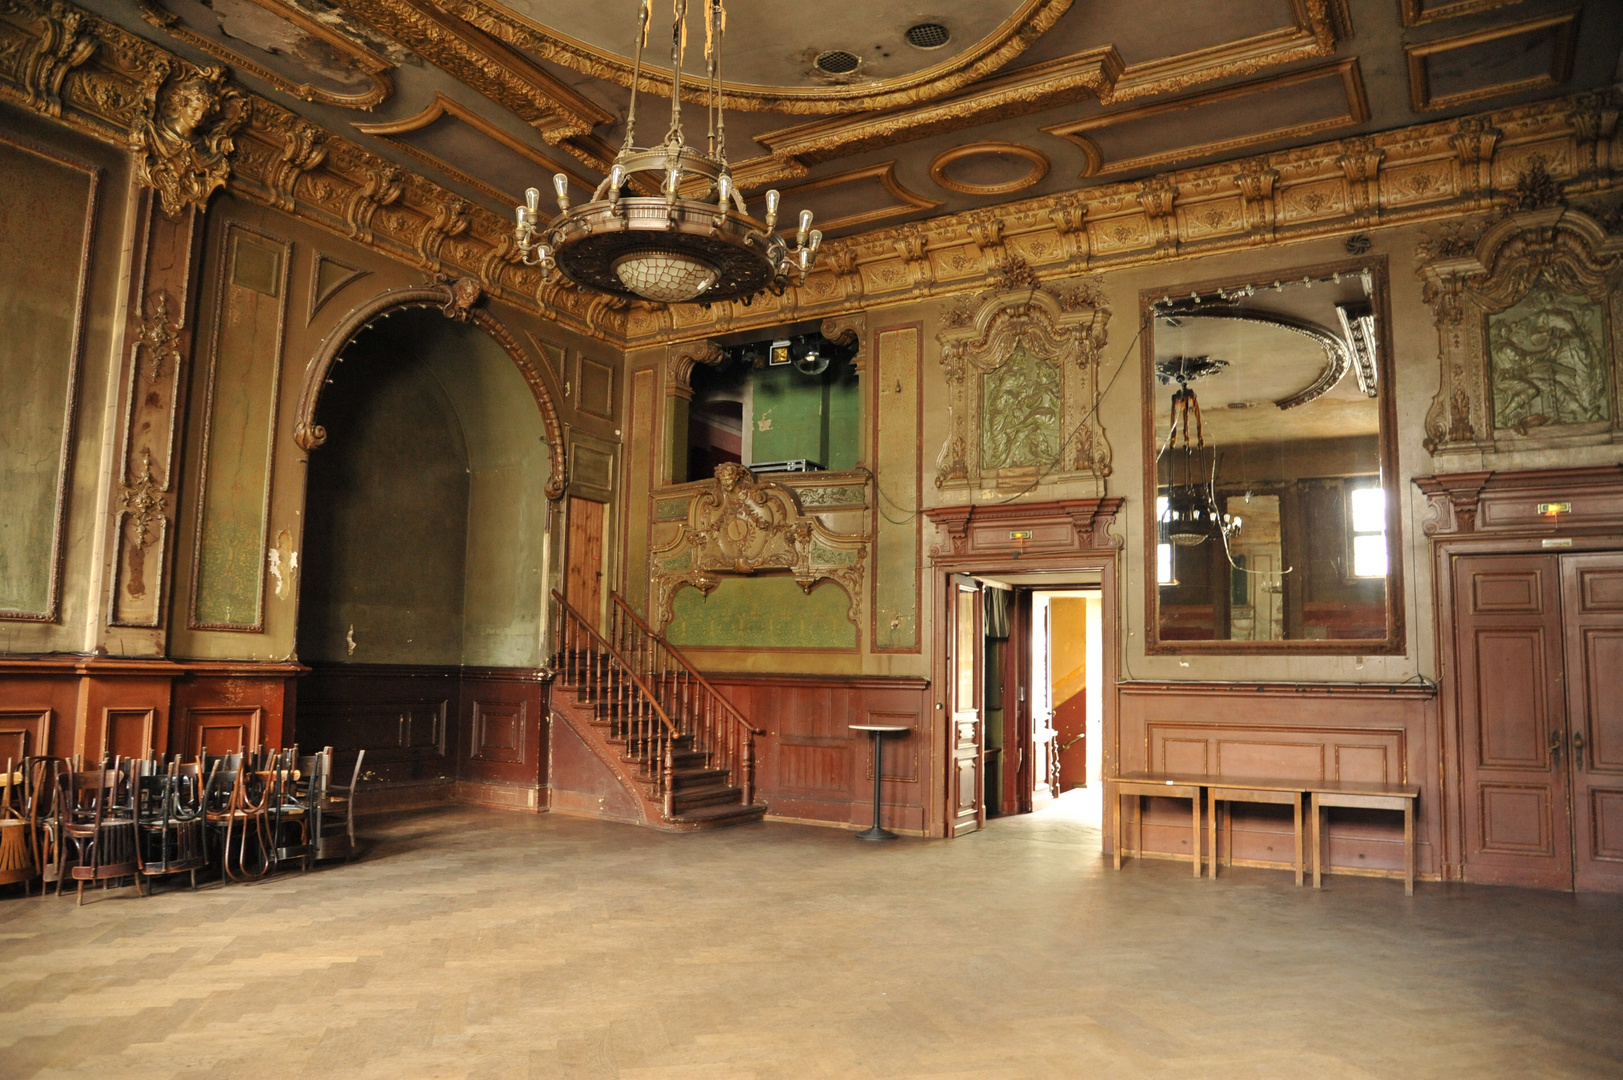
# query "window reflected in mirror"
(1272, 516)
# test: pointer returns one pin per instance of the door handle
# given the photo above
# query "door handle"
(1555, 749)
(1578, 749)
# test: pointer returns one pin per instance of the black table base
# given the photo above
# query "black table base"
(877, 832)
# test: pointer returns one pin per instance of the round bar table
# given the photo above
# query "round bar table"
(879, 731)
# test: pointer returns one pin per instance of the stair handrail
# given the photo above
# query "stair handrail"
(687, 665)
(625, 665)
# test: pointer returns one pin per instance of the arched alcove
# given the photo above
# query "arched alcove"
(425, 508)
(422, 599)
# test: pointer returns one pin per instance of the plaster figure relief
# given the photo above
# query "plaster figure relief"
(1548, 360)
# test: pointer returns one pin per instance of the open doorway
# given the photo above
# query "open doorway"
(1042, 696)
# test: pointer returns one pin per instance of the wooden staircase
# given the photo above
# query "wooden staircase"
(675, 743)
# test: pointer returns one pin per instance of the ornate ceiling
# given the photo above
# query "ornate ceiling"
(832, 103)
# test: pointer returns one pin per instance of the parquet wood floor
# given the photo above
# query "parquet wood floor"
(475, 944)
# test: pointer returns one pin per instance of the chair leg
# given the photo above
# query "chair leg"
(81, 892)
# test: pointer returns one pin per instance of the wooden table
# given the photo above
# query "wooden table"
(878, 731)
(1275, 792)
(1368, 797)
(1168, 786)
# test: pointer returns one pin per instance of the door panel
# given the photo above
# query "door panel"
(966, 811)
(583, 579)
(1509, 654)
(1592, 597)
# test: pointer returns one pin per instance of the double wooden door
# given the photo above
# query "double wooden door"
(1539, 649)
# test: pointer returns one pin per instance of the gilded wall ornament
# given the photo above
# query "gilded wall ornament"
(183, 137)
(1022, 378)
(742, 525)
(1529, 334)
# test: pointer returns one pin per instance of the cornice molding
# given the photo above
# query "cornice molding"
(106, 82)
(1422, 173)
(65, 63)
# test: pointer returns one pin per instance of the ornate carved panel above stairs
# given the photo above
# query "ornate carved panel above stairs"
(679, 748)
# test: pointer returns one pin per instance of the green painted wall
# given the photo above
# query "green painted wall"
(243, 373)
(42, 235)
(765, 612)
(426, 508)
(806, 416)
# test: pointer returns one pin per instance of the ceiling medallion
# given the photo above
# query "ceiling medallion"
(670, 248)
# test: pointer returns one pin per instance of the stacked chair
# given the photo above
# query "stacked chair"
(248, 815)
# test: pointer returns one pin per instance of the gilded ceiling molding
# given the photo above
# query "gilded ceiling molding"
(1022, 370)
(488, 65)
(461, 300)
(738, 525)
(442, 107)
(1563, 49)
(907, 202)
(1096, 73)
(189, 127)
(1420, 12)
(1347, 71)
(1432, 171)
(1529, 331)
(996, 51)
(1035, 158)
(377, 69)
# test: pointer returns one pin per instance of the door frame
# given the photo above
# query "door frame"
(1449, 688)
(944, 566)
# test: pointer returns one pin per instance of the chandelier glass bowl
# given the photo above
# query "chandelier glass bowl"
(667, 224)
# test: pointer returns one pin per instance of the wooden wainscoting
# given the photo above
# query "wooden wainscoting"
(811, 767)
(1381, 733)
(432, 734)
(95, 707)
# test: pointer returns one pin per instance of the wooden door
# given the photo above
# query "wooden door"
(1592, 602)
(1508, 648)
(966, 810)
(583, 577)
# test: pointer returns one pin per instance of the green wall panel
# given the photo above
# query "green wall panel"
(45, 210)
(244, 371)
(767, 612)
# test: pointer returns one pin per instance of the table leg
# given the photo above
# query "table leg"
(1138, 826)
(1211, 826)
(1194, 838)
(1318, 850)
(1114, 794)
(1296, 828)
(878, 832)
(1408, 847)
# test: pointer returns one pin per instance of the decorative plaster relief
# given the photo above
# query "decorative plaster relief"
(1530, 333)
(740, 525)
(1022, 371)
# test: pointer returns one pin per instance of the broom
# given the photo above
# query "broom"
(16, 864)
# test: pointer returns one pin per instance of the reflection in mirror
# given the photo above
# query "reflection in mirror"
(1271, 521)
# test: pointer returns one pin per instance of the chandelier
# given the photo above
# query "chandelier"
(687, 236)
(1190, 512)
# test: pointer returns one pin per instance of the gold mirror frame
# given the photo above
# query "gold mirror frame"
(1393, 643)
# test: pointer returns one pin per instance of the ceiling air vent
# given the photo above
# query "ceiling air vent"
(927, 35)
(836, 62)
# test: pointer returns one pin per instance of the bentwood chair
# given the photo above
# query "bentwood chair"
(100, 822)
(172, 821)
(16, 848)
(334, 804)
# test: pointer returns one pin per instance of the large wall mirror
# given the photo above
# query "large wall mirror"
(1272, 510)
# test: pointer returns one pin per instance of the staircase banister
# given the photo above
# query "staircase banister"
(625, 665)
(687, 665)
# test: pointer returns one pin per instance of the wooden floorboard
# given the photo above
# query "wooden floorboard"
(472, 943)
